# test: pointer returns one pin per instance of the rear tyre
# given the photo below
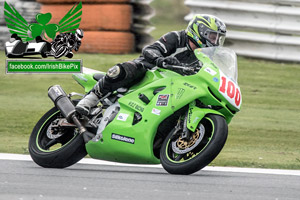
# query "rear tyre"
(211, 136)
(55, 149)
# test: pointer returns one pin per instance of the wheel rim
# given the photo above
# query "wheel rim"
(48, 141)
(183, 153)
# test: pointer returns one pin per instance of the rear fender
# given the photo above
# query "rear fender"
(196, 114)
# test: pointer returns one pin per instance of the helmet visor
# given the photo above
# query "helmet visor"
(215, 38)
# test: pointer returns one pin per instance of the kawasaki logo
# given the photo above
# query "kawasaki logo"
(122, 138)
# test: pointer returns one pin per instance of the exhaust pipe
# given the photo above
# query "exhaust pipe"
(61, 101)
(67, 108)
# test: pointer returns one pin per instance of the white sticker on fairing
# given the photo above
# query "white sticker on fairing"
(210, 71)
(122, 117)
(156, 111)
(230, 90)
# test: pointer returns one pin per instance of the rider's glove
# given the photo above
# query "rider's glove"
(161, 62)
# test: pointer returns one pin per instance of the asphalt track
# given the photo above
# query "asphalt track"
(22, 179)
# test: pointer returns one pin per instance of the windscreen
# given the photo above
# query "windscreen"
(225, 59)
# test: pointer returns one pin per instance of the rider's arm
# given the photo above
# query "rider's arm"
(164, 47)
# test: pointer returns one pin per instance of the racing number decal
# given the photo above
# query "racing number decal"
(237, 97)
(230, 91)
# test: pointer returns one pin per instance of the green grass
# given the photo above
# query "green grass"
(266, 133)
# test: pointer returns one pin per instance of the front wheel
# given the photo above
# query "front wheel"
(179, 156)
(51, 146)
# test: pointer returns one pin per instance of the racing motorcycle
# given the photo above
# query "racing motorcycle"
(177, 116)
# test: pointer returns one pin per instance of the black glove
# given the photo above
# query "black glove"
(161, 62)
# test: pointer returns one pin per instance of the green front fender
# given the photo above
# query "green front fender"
(196, 114)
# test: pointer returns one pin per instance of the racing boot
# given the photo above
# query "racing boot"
(90, 100)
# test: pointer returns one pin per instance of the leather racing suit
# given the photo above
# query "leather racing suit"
(173, 44)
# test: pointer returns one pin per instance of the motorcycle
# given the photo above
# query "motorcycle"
(177, 116)
(19, 49)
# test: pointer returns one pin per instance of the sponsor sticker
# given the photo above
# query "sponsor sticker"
(134, 105)
(156, 111)
(122, 138)
(57, 91)
(190, 86)
(210, 71)
(180, 93)
(122, 117)
(162, 100)
(215, 79)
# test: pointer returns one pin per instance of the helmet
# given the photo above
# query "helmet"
(79, 34)
(206, 31)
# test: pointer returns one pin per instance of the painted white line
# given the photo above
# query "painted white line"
(19, 157)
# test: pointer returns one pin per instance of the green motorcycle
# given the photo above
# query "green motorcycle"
(176, 116)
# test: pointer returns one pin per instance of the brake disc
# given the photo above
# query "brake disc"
(52, 130)
(182, 146)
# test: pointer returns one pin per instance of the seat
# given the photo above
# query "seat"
(98, 76)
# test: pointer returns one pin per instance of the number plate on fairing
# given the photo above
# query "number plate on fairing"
(230, 90)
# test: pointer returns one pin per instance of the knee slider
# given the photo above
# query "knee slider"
(115, 73)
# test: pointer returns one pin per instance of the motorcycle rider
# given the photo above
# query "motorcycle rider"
(173, 48)
(72, 40)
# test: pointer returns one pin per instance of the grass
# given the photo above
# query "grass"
(266, 133)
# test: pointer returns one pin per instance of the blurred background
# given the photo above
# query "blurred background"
(265, 35)
(267, 29)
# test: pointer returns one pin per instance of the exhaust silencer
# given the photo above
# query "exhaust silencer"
(61, 101)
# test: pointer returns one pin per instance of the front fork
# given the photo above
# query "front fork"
(193, 117)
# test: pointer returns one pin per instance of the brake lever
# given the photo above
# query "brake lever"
(185, 70)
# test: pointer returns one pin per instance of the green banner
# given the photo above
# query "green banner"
(43, 66)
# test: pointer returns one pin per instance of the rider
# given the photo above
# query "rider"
(173, 48)
(73, 40)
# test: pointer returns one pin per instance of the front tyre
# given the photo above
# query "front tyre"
(186, 157)
(52, 147)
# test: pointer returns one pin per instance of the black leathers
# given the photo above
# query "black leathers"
(174, 44)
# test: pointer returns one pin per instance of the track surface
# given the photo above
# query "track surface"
(23, 179)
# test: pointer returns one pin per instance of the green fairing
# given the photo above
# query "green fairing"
(180, 90)
(85, 80)
(196, 114)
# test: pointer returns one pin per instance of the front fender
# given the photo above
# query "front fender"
(196, 114)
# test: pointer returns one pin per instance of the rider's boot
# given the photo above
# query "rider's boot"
(90, 100)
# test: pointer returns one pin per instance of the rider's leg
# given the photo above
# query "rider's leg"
(120, 75)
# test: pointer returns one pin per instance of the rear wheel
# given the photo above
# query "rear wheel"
(60, 50)
(179, 156)
(54, 147)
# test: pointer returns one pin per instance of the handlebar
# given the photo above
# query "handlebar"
(186, 69)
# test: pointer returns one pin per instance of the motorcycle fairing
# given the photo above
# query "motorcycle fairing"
(180, 91)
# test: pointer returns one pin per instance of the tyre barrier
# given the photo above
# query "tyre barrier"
(114, 17)
(102, 20)
(110, 42)
(106, 23)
